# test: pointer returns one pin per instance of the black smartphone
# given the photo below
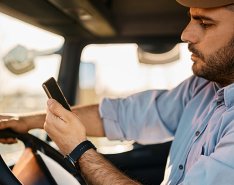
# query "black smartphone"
(53, 90)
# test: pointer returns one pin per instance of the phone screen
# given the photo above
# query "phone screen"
(53, 90)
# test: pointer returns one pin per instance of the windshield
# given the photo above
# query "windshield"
(22, 93)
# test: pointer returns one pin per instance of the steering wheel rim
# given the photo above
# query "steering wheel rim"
(37, 145)
(9, 177)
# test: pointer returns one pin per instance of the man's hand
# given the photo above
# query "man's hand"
(13, 122)
(63, 127)
(67, 131)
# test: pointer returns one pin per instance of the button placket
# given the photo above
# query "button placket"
(181, 167)
(197, 133)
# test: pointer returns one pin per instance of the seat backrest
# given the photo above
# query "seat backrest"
(30, 169)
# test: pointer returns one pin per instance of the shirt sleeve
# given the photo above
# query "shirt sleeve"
(148, 117)
(217, 168)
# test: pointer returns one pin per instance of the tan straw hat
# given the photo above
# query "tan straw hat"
(205, 3)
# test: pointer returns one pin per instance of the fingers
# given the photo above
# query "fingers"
(58, 110)
(4, 124)
(63, 127)
(8, 140)
(52, 122)
(9, 119)
(7, 122)
(56, 116)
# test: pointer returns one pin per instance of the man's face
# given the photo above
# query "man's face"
(210, 35)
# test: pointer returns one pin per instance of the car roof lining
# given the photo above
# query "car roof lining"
(114, 19)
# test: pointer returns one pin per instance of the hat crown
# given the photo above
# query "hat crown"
(205, 3)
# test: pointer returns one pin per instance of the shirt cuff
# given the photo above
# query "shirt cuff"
(108, 112)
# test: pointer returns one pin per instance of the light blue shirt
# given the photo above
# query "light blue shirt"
(197, 115)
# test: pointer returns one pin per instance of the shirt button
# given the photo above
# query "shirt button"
(181, 167)
(197, 133)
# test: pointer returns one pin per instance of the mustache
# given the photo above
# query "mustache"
(195, 51)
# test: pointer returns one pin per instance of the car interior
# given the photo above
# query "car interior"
(155, 26)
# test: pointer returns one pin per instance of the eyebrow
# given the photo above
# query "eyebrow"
(200, 17)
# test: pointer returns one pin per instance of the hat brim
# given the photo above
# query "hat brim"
(205, 3)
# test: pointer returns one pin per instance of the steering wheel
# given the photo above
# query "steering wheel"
(8, 177)
(35, 144)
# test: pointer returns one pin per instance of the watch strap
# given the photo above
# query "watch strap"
(80, 149)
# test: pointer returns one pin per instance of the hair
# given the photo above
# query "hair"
(230, 7)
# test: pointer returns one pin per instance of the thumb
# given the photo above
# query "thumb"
(58, 110)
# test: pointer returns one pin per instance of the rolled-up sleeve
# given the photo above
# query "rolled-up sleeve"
(132, 118)
(148, 117)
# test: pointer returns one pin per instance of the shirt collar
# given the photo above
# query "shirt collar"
(229, 95)
(225, 94)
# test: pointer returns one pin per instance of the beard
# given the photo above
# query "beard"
(218, 67)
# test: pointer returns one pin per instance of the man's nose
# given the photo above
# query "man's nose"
(190, 34)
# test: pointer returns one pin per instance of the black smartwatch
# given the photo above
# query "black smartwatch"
(80, 149)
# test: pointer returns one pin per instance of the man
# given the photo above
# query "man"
(198, 114)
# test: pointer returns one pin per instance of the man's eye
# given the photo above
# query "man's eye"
(205, 25)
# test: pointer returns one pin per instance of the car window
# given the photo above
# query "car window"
(113, 70)
(106, 70)
(22, 93)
